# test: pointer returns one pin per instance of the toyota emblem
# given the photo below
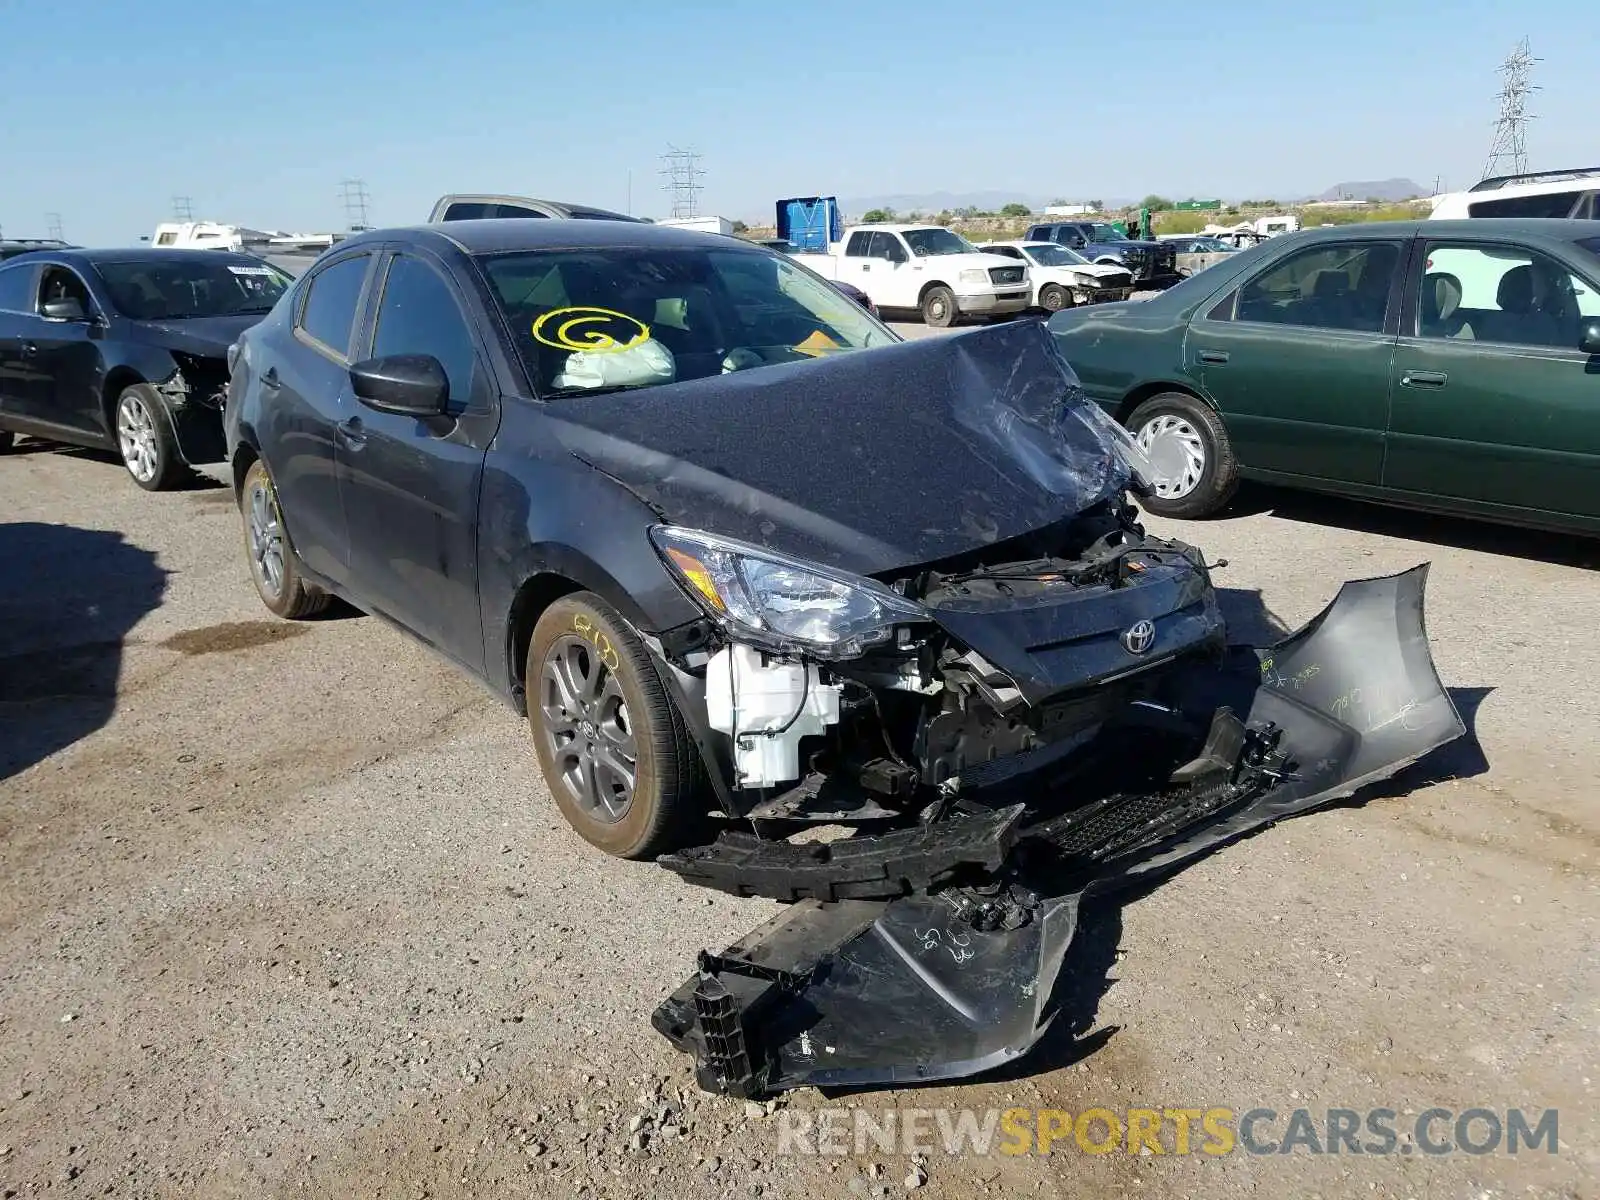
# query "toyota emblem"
(1139, 637)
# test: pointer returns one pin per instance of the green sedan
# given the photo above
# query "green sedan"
(1444, 365)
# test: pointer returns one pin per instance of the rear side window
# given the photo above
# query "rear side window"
(474, 210)
(1551, 204)
(329, 311)
(16, 290)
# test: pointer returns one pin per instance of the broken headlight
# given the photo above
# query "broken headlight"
(769, 599)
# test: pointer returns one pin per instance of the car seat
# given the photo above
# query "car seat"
(1441, 304)
(1520, 320)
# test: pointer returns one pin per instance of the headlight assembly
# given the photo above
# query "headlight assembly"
(782, 603)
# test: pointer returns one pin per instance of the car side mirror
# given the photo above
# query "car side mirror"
(412, 385)
(66, 309)
(1589, 336)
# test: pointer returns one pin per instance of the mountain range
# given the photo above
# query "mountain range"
(992, 200)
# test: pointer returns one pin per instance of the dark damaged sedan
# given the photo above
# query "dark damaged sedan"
(126, 350)
(749, 563)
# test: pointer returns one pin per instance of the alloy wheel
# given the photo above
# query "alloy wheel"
(136, 437)
(266, 536)
(587, 728)
(1177, 454)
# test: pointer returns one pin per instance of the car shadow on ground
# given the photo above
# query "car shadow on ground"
(1086, 970)
(1465, 533)
(196, 481)
(68, 599)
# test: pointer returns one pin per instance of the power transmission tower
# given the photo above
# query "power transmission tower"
(683, 173)
(1509, 153)
(53, 225)
(354, 193)
(182, 208)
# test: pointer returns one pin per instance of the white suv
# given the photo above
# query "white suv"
(1572, 192)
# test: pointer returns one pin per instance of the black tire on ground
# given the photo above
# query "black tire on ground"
(1053, 297)
(1177, 419)
(7, 440)
(274, 568)
(596, 706)
(939, 307)
(145, 440)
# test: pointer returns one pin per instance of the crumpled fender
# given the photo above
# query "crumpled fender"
(855, 992)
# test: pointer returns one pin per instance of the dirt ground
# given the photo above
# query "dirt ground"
(286, 909)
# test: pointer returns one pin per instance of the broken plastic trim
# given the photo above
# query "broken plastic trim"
(948, 983)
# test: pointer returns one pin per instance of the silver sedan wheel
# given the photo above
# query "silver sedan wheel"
(1177, 454)
(136, 436)
(588, 730)
(266, 537)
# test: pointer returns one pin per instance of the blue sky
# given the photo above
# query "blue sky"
(258, 111)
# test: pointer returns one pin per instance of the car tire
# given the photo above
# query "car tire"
(595, 705)
(939, 307)
(274, 568)
(1191, 453)
(145, 440)
(1053, 297)
(7, 440)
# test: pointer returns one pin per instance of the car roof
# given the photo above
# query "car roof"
(153, 254)
(1558, 229)
(500, 234)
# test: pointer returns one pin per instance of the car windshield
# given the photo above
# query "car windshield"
(206, 286)
(1106, 233)
(1051, 255)
(925, 243)
(595, 320)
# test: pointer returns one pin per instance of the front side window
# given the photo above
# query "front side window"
(1106, 233)
(602, 319)
(328, 313)
(1504, 294)
(419, 315)
(195, 285)
(62, 284)
(930, 243)
(1345, 285)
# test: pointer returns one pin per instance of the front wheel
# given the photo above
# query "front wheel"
(939, 307)
(1191, 457)
(145, 439)
(1053, 297)
(611, 743)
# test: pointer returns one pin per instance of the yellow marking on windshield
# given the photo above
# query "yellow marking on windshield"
(567, 335)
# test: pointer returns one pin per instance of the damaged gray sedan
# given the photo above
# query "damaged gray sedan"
(752, 565)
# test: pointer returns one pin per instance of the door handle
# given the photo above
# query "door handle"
(269, 379)
(29, 349)
(351, 433)
(1424, 379)
(866, 266)
(1213, 356)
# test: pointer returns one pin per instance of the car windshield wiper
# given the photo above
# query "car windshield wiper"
(605, 390)
(254, 308)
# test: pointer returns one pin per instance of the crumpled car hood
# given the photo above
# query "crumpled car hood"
(868, 460)
(208, 337)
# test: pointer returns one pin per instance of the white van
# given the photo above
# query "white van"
(1571, 192)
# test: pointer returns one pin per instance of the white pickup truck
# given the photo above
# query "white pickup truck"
(925, 269)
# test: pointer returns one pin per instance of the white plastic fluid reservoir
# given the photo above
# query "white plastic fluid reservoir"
(766, 705)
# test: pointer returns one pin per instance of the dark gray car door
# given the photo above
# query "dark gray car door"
(410, 486)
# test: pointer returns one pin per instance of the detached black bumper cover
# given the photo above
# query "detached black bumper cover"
(947, 983)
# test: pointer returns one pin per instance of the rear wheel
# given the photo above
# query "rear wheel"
(273, 567)
(1053, 297)
(1190, 455)
(939, 307)
(611, 743)
(145, 439)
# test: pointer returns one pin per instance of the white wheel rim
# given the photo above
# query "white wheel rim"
(136, 434)
(1177, 455)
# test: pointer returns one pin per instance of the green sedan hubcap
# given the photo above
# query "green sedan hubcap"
(1177, 455)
